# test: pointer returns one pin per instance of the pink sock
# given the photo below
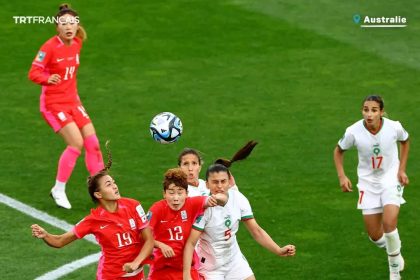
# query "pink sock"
(66, 163)
(93, 156)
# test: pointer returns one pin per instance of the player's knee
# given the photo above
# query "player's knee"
(91, 143)
(78, 145)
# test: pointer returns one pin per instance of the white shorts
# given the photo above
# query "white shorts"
(373, 203)
(237, 269)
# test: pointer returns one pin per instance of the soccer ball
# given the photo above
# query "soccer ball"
(166, 128)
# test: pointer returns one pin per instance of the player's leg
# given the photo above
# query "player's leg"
(73, 138)
(373, 223)
(393, 242)
(93, 156)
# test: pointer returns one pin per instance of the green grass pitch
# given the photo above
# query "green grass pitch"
(289, 74)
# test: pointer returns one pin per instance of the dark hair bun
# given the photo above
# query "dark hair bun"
(64, 6)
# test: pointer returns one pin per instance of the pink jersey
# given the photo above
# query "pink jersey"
(119, 235)
(173, 228)
(56, 58)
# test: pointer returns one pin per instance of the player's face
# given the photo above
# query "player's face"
(175, 196)
(67, 27)
(372, 114)
(108, 190)
(218, 182)
(190, 164)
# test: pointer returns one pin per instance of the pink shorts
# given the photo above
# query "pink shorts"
(170, 273)
(59, 115)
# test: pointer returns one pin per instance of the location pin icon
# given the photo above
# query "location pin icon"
(356, 19)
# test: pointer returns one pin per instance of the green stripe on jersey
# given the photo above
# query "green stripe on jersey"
(197, 228)
(247, 217)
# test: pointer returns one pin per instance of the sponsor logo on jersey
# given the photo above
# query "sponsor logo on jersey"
(60, 59)
(41, 55)
(132, 223)
(141, 213)
(184, 215)
(102, 227)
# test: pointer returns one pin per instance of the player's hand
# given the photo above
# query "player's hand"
(403, 178)
(130, 267)
(166, 250)
(211, 201)
(221, 199)
(54, 79)
(345, 184)
(288, 251)
(38, 231)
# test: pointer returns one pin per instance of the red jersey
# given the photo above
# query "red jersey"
(119, 235)
(173, 228)
(56, 58)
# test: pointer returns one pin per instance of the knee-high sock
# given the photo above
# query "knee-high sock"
(93, 156)
(66, 163)
(381, 242)
(393, 247)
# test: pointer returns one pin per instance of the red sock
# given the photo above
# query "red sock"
(66, 163)
(93, 156)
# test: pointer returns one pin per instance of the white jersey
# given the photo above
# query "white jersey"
(200, 190)
(378, 154)
(219, 224)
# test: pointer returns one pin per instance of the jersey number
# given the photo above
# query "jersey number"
(361, 196)
(228, 234)
(176, 234)
(69, 72)
(124, 239)
(376, 162)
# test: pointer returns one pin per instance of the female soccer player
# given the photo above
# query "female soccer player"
(218, 251)
(381, 175)
(171, 219)
(120, 226)
(55, 68)
(191, 162)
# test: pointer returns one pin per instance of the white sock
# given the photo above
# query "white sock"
(393, 247)
(381, 242)
(60, 186)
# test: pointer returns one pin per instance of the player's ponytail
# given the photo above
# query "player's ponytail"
(92, 181)
(81, 33)
(243, 153)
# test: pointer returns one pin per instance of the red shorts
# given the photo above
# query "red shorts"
(170, 273)
(59, 115)
(139, 276)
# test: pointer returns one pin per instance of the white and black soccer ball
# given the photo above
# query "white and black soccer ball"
(166, 128)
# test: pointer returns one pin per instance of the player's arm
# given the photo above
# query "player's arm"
(146, 250)
(56, 241)
(404, 149)
(266, 241)
(345, 183)
(216, 199)
(166, 250)
(188, 252)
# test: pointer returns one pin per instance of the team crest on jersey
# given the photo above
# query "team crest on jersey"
(132, 223)
(184, 215)
(41, 55)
